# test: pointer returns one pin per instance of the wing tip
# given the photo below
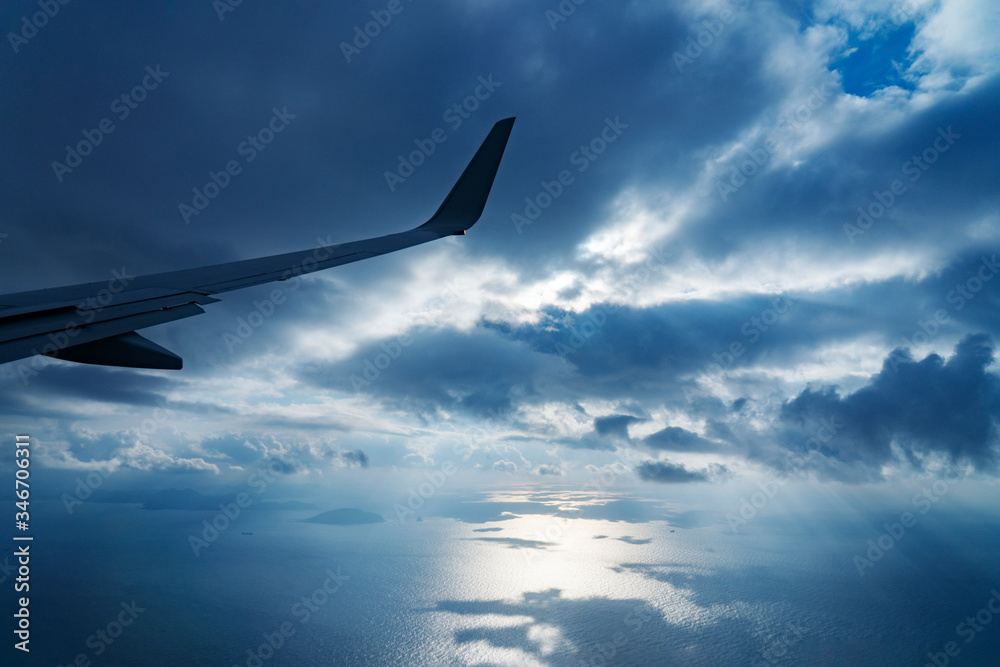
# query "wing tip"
(464, 205)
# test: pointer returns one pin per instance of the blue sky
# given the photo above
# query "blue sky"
(772, 257)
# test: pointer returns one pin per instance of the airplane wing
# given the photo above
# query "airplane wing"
(88, 324)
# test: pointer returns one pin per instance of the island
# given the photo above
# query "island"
(346, 516)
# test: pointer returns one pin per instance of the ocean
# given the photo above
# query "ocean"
(498, 579)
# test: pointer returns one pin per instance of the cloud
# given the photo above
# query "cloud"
(476, 372)
(915, 408)
(417, 460)
(666, 472)
(640, 295)
(356, 457)
(676, 439)
(144, 457)
(73, 383)
(615, 425)
(505, 466)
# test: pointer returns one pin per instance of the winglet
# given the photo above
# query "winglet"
(464, 204)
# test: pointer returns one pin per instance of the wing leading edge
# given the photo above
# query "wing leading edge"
(89, 323)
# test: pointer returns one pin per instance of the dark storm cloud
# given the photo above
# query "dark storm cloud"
(323, 176)
(676, 439)
(352, 121)
(643, 353)
(478, 373)
(285, 465)
(923, 407)
(635, 349)
(615, 425)
(355, 118)
(356, 457)
(666, 472)
(223, 339)
(650, 352)
(954, 186)
(95, 383)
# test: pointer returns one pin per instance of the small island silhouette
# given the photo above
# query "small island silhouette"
(346, 516)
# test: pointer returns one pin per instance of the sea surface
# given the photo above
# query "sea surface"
(512, 588)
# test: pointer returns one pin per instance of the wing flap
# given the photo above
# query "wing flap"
(51, 343)
(69, 319)
(88, 296)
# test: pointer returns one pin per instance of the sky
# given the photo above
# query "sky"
(729, 241)
(724, 336)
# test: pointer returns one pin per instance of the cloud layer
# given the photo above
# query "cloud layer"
(726, 237)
